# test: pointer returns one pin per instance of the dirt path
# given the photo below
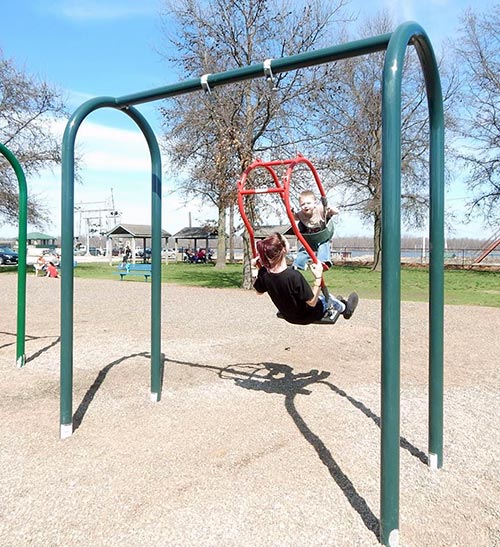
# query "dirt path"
(266, 434)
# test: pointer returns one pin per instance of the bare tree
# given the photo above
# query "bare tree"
(478, 55)
(348, 115)
(214, 136)
(27, 108)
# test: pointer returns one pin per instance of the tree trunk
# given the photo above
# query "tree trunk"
(221, 239)
(247, 271)
(231, 234)
(377, 242)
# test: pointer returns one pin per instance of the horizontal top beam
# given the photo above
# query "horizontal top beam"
(284, 64)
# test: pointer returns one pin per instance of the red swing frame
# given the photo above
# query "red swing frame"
(281, 187)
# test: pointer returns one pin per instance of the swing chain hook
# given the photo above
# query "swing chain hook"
(204, 83)
(268, 73)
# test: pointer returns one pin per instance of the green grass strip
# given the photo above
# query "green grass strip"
(462, 287)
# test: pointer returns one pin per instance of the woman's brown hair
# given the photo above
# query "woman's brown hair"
(271, 250)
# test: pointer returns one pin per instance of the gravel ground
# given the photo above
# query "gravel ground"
(266, 433)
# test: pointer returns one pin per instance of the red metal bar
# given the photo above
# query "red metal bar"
(286, 183)
(252, 191)
(282, 188)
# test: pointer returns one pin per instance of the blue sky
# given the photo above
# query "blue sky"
(110, 47)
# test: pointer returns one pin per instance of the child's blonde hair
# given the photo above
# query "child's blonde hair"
(307, 194)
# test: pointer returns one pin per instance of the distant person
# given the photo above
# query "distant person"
(56, 258)
(126, 255)
(201, 256)
(40, 265)
(52, 270)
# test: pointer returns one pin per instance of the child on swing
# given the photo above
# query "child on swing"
(312, 218)
(297, 302)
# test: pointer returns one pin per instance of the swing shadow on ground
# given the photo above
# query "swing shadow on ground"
(42, 350)
(29, 338)
(13, 334)
(278, 379)
(94, 388)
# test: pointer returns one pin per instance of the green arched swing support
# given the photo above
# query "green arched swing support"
(67, 238)
(395, 44)
(21, 251)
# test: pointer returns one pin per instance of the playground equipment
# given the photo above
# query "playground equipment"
(22, 250)
(395, 44)
(282, 188)
(492, 243)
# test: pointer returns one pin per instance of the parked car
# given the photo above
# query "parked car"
(8, 256)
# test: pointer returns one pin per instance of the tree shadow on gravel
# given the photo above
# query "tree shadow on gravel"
(276, 378)
(94, 388)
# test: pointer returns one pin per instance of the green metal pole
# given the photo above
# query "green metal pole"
(21, 266)
(156, 235)
(67, 239)
(67, 242)
(391, 293)
(284, 64)
(436, 239)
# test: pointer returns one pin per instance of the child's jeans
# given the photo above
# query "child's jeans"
(322, 252)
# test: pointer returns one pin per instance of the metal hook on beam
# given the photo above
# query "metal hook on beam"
(268, 73)
(204, 83)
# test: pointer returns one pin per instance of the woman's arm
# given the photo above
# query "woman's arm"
(317, 270)
(255, 267)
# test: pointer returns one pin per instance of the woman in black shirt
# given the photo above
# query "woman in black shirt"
(295, 299)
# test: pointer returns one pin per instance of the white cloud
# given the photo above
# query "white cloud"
(105, 148)
(401, 11)
(99, 134)
(75, 98)
(91, 10)
(407, 10)
(118, 158)
(113, 160)
(111, 157)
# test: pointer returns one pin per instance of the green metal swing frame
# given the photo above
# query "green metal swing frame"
(395, 45)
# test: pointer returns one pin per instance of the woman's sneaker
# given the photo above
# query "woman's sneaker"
(350, 305)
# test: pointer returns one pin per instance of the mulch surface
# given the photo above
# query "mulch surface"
(266, 434)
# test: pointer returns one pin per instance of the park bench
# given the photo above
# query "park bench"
(134, 269)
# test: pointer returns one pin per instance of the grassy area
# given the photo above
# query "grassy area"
(462, 287)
